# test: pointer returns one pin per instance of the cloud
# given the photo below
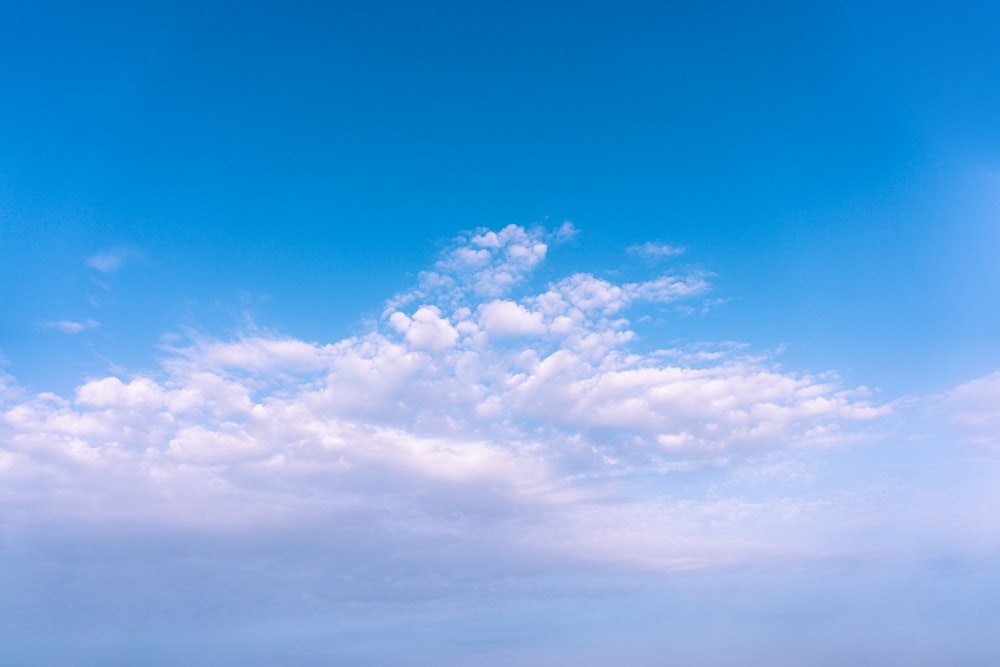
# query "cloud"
(256, 355)
(479, 264)
(565, 232)
(478, 443)
(478, 388)
(426, 330)
(506, 318)
(71, 327)
(975, 408)
(109, 261)
(488, 424)
(655, 251)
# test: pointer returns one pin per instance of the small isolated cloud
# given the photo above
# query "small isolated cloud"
(565, 232)
(71, 327)
(110, 261)
(654, 251)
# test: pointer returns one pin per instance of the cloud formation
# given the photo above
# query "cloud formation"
(109, 261)
(975, 408)
(71, 327)
(655, 251)
(525, 409)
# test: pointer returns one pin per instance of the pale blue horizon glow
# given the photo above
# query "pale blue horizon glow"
(559, 334)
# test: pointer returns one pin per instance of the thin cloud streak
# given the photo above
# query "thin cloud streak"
(110, 261)
(655, 251)
(71, 327)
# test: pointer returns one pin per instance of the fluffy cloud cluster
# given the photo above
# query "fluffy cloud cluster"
(475, 388)
(483, 357)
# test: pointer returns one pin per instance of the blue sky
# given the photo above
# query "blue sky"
(449, 333)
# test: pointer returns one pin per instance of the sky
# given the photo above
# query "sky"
(499, 333)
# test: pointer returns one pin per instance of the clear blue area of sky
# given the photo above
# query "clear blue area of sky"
(836, 165)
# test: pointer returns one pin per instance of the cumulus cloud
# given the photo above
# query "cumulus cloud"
(507, 318)
(479, 389)
(480, 264)
(426, 330)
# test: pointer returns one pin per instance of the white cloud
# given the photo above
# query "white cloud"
(113, 393)
(653, 251)
(500, 319)
(480, 264)
(586, 294)
(478, 398)
(258, 354)
(109, 261)
(426, 330)
(561, 364)
(205, 446)
(71, 327)
(975, 407)
(565, 232)
(669, 288)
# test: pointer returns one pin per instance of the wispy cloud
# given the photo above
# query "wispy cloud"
(109, 261)
(565, 232)
(71, 327)
(975, 408)
(655, 251)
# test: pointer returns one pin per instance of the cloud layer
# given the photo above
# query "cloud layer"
(482, 409)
